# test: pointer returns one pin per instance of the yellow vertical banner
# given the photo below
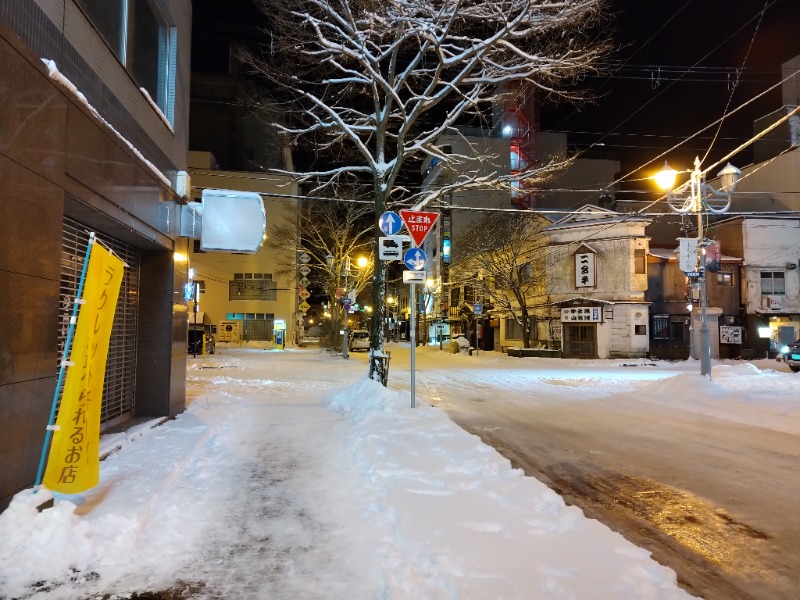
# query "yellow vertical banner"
(73, 464)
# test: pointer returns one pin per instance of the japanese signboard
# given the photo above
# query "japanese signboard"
(585, 270)
(687, 254)
(730, 334)
(577, 314)
(73, 464)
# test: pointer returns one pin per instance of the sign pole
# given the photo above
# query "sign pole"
(77, 301)
(418, 223)
(413, 338)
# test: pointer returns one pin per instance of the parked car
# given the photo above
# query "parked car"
(791, 356)
(359, 340)
(196, 341)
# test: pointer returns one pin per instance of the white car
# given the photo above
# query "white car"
(359, 340)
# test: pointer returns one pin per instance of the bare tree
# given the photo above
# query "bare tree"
(501, 259)
(334, 235)
(381, 80)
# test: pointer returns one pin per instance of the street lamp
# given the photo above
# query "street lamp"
(700, 195)
(391, 318)
(361, 262)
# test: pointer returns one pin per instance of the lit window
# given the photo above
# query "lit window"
(724, 278)
(773, 283)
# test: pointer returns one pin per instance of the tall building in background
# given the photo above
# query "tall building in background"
(513, 144)
(93, 137)
(234, 147)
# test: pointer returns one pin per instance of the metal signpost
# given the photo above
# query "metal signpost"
(418, 223)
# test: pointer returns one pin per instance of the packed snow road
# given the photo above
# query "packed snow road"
(707, 479)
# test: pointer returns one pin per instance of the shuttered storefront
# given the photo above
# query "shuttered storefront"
(120, 380)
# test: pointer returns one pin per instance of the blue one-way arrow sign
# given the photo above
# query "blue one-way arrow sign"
(390, 222)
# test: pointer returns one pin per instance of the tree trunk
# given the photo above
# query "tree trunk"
(378, 364)
(526, 327)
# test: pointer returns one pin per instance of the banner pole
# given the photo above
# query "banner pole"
(67, 347)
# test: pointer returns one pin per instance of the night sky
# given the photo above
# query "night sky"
(673, 73)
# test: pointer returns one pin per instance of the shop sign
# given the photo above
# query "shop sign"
(581, 314)
(585, 274)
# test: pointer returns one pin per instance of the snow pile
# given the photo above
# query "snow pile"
(292, 475)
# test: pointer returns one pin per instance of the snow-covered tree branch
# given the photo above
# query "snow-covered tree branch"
(501, 260)
(380, 81)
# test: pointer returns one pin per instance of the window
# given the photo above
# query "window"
(142, 40)
(470, 297)
(773, 283)
(678, 331)
(247, 287)
(660, 327)
(513, 330)
(525, 273)
(639, 262)
(201, 285)
(724, 278)
(640, 330)
(256, 327)
(515, 160)
(455, 296)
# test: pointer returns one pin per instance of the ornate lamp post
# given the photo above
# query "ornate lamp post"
(694, 196)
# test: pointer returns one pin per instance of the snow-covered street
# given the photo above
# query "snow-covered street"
(291, 475)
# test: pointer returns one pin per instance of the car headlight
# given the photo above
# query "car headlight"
(784, 349)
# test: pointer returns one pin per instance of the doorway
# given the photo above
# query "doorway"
(580, 340)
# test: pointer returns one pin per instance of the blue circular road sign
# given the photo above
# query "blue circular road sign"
(390, 222)
(414, 258)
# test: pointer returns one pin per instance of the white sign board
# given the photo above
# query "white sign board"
(687, 255)
(390, 247)
(730, 334)
(585, 270)
(413, 276)
(581, 314)
(233, 221)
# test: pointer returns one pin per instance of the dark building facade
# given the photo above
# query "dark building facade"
(93, 137)
(674, 329)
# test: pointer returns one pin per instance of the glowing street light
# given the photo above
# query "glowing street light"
(698, 198)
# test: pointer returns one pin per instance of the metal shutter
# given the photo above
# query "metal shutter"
(120, 381)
